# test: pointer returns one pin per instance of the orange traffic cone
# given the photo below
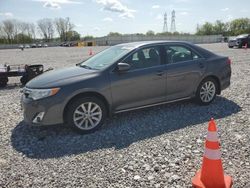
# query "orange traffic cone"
(90, 52)
(211, 174)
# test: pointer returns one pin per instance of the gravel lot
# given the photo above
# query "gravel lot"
(156, 147)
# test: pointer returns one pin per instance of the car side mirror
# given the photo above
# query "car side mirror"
(123, 67)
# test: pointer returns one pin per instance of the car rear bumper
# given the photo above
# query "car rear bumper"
(225, 84)
(48, 110)
(225, 78)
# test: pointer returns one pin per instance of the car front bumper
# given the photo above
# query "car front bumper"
(231, 43)
(47, 111)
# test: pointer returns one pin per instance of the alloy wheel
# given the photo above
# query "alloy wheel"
(87, 115)
(207, 91)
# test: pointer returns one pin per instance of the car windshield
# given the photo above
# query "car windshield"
(105, 58)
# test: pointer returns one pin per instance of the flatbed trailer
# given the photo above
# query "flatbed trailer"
(26, 72)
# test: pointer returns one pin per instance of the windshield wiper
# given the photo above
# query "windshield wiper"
(86, 66)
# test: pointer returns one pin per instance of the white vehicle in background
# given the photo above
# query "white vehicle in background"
(232, 42)
(27, 46)
(33, 45)
(21, 46)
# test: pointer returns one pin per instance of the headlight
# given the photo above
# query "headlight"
(36, 94)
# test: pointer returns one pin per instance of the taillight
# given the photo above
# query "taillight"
(229, 61)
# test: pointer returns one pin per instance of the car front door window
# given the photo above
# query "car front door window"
(144, 58)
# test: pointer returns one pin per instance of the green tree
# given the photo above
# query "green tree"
(220, 28)
(150, 33)
(114, 34)
(88, 37)
(206, 29)
(163, 34)
(240, 26)
(22, 38)
(73, 35)
(235, 27)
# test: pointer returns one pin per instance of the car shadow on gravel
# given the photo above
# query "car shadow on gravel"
(118, 132)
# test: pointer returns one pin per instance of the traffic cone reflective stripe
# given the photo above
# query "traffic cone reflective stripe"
(211, 174)
(212, 136)
(212, 154)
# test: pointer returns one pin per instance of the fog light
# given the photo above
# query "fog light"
(39, 117)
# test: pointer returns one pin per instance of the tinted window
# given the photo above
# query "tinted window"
(177, 54)
(143, 58)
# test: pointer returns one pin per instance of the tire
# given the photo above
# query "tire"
(81, 119)
(202, 96)
(230, 46)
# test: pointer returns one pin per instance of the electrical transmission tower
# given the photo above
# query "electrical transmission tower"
(173, 28)
(165, 26)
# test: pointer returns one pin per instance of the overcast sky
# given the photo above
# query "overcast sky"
(99, 17)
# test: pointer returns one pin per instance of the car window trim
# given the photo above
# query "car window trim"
(146, 68)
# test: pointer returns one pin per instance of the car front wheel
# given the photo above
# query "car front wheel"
(207, 91)
(86, 115)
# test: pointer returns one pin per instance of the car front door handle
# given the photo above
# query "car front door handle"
(160, 73)
(201, 65)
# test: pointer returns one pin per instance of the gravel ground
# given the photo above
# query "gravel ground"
(155, 147)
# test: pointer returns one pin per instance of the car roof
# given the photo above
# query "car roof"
(143, 43)
(133, 45)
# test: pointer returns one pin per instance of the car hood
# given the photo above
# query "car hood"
(57, 78)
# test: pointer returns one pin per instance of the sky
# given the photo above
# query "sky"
(99, 17)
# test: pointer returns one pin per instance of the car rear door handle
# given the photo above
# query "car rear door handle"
(160, 73)
(201, 65)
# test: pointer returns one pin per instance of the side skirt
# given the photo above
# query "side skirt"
(150, 105)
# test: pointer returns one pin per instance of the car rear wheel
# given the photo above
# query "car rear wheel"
(86, 115)
(207, 91)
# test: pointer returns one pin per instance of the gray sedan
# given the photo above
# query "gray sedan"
(122, 78)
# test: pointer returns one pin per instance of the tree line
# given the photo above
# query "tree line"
(13, 31)
(148, 33)
(232, 28)
(62, 29)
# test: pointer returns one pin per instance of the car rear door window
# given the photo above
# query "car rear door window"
(143, 58)
(176, 54)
